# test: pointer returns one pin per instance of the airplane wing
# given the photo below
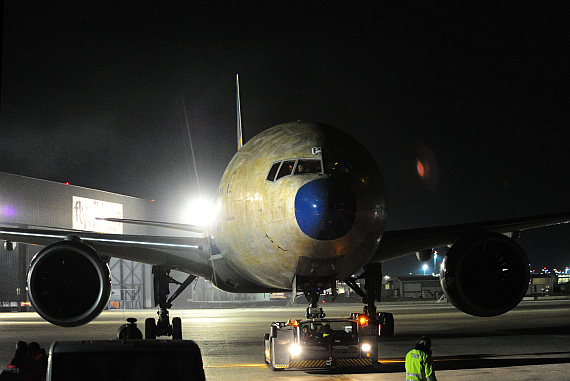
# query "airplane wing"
(398, 243)
(156, 224)
(187, 254)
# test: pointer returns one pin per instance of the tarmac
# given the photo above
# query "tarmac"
(527, 343)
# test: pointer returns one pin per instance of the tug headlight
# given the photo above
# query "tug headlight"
(295, 350)
(365, 347)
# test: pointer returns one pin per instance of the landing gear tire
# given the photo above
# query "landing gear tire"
(176, 328)
(150, 329)
(386, 325)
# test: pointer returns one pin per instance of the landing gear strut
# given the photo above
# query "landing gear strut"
(372, 292)
(162, 327)
(312, 287)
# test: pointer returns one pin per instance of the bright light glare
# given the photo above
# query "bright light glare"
(366, 347)
(295, 350)
(420, 168)
(200, 212)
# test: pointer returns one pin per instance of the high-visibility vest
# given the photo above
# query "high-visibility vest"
(419, 366)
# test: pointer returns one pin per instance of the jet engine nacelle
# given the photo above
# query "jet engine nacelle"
(424, 255)
(69, 284)
(485, 275)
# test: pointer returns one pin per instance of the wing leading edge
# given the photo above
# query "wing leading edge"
(187, 254)
(399, 243)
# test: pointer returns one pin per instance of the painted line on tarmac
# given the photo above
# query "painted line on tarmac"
(236, 366)
(390, 361)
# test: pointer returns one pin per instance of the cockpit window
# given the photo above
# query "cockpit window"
(332, 167)
(336, 167)
(273, 171)
(286, 169)
(301, 167)
(308, 166)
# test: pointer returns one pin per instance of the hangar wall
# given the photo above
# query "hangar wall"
(28, 202)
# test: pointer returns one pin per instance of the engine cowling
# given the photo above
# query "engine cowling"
(68, 283)
(485, 275)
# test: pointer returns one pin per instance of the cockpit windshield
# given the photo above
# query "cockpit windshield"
(308, 166)
(332, 167)
(337, 167)
(286, 169)
(294, 167)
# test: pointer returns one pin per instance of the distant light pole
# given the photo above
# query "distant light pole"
(425, 268)
(435, 259)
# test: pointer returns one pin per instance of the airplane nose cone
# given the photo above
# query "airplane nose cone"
(325, 209)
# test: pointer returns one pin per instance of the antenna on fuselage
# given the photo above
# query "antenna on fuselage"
(239, 132)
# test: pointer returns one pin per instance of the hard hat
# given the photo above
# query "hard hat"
(425, 341)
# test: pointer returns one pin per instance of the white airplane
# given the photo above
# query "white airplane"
(300, 206)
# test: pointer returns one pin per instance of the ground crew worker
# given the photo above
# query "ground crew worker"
(419, 364)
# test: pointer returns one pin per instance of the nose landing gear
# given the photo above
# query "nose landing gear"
(312, 287)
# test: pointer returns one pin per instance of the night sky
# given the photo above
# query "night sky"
(93, 94)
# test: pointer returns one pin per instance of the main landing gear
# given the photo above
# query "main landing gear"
(372, 292)
(162, 327)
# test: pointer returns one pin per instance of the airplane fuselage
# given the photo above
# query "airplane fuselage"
(298, 200)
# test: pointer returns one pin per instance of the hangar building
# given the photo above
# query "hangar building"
(31, 203)
(414, 287)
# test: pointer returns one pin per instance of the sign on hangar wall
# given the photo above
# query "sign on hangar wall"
(87, 210)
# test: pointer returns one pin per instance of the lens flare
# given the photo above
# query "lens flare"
(420, 168)
(427, 167)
